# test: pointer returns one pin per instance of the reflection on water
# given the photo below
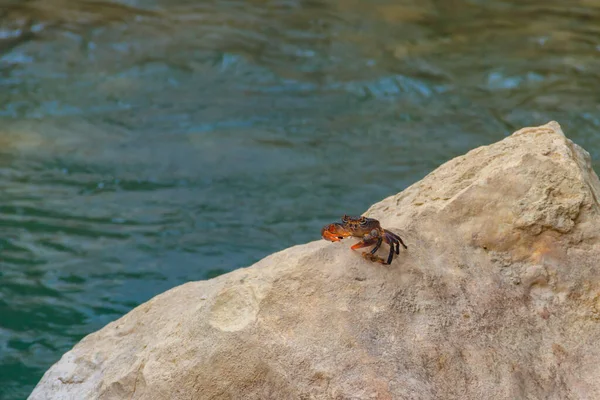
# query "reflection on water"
(149, 143)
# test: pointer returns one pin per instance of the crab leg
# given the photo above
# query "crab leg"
(391, 255)
(394, 244)
(374, 258)
(377, 246)
(398, 238)
(377, 241)
(366, 243)
(369, 242)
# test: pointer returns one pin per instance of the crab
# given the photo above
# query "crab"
(370, 232)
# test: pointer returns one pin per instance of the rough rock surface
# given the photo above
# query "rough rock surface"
(497, 297)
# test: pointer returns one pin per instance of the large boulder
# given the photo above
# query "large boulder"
(497, 297)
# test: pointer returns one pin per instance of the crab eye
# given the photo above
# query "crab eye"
(363, 221)
(345, 218)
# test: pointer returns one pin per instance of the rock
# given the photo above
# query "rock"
(497, 297)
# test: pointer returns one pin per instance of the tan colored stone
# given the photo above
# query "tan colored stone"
(497, 297)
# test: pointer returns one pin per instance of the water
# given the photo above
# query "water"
(149, 143)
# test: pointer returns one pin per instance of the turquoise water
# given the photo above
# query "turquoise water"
(149, 143)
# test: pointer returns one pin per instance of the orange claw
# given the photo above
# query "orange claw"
(334, 232)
